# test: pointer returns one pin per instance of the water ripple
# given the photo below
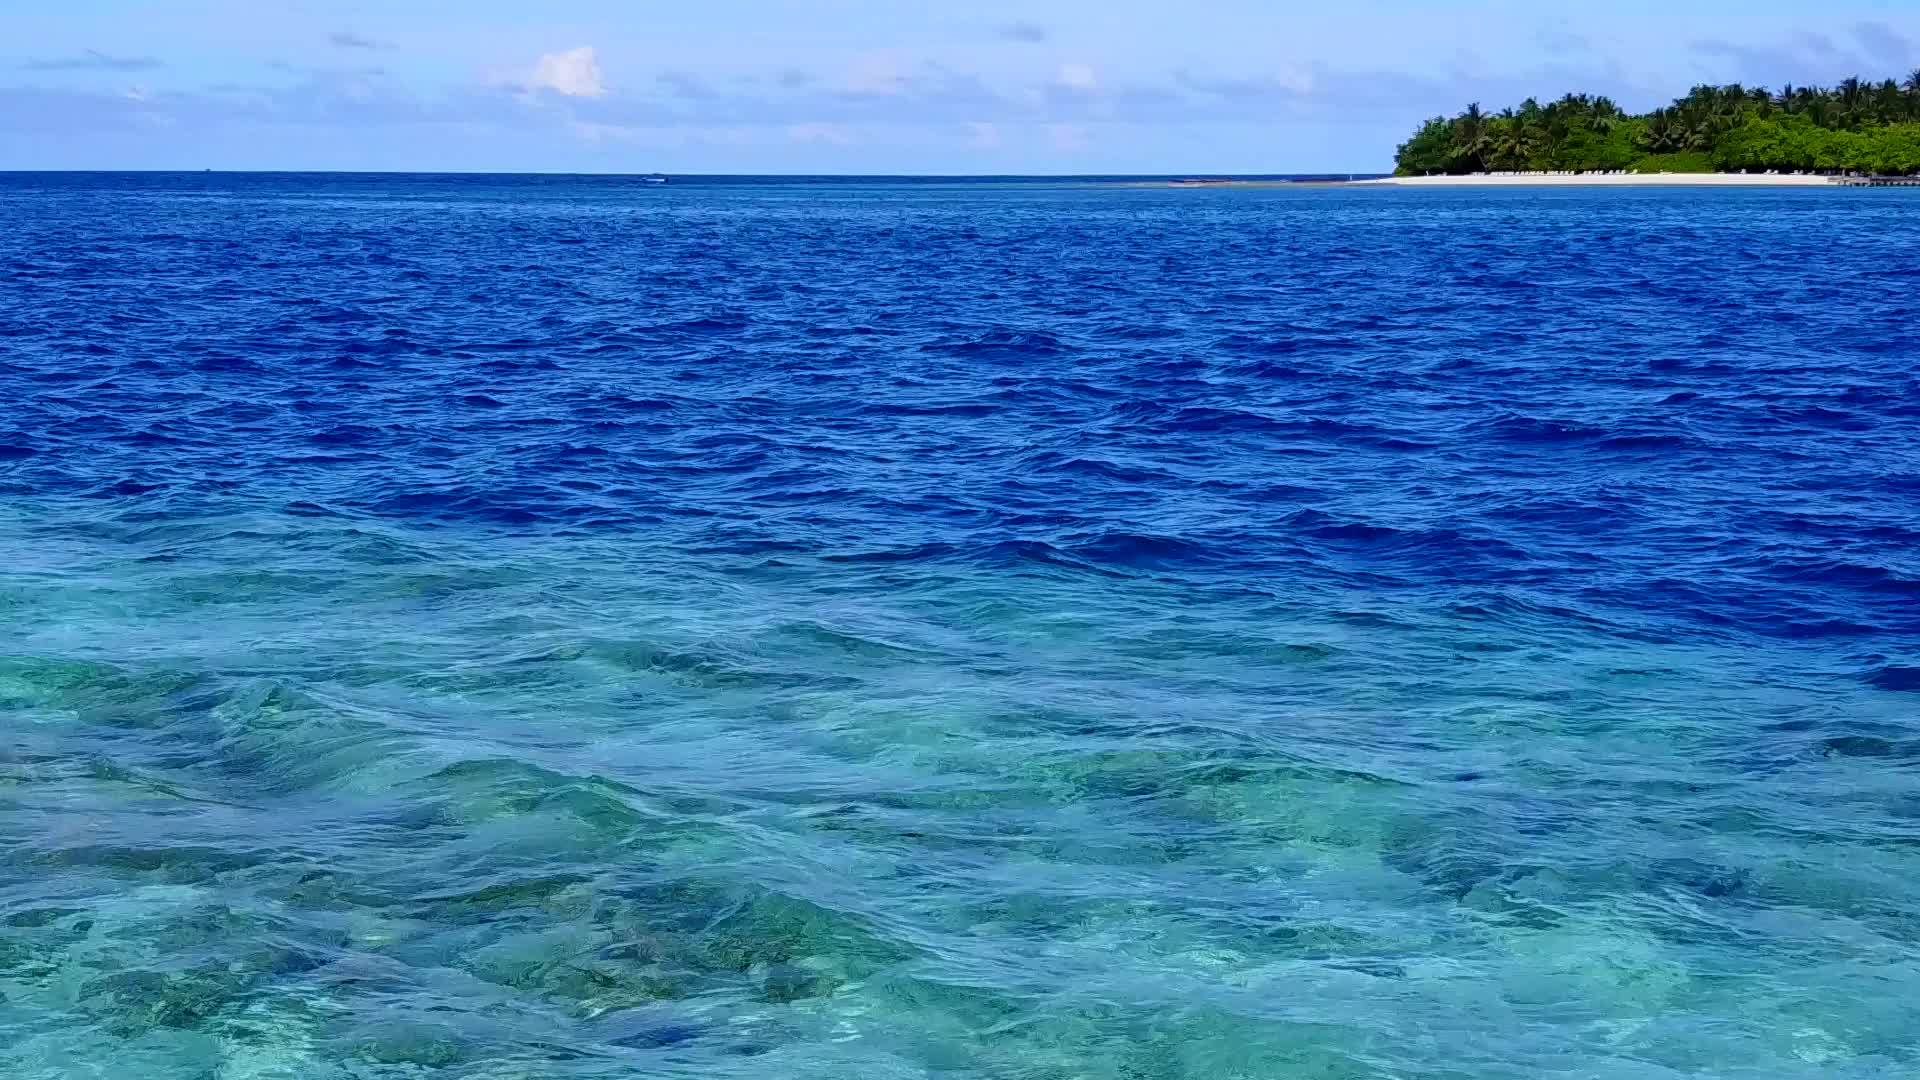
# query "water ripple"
(506, 627)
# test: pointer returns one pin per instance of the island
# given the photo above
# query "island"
(1715, 134)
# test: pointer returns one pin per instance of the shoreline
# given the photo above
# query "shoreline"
(1612, 180)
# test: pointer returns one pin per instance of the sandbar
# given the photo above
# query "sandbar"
(1608, 180)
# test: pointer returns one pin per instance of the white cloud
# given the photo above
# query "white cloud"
(574, 73)
(1076, 77)
(819, 134)
(983, 136)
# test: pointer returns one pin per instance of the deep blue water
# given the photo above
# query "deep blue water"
(521, 628)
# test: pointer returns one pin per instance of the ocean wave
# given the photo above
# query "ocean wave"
(859, 627)
(1003, 345)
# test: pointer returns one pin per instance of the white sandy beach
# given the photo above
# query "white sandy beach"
(1609, 180)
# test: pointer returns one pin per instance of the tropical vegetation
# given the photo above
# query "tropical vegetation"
(1855, 126)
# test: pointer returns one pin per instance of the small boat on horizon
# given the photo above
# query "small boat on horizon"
(655, 178)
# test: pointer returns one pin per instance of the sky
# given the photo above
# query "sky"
(858, 86)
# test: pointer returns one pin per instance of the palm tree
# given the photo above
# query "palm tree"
(1663, 132)
(1469, 124)
(1511, 142)
(1573, 130)
(1888, 104)
(1469, 151)
(1699, 133)
(1852, 96)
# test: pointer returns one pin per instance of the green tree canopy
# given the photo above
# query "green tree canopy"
(1856, 126)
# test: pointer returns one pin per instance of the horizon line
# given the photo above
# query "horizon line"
(1198, 174)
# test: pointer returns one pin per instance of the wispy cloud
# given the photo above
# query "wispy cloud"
(1397, 96)
(94, 60)
(880, 74)
(329, 75)
(820, 134)
(347, 39)
(658, 136)
(895, 81)
(38, 111)
(1067, 107)
(1888, 47)
(1875, 51)
(687, 86)
(1024, 32)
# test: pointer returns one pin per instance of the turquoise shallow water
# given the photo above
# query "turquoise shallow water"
(533, 629)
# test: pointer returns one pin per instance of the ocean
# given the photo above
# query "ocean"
(550, 628)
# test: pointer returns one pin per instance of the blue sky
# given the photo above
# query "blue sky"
(856, 86)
